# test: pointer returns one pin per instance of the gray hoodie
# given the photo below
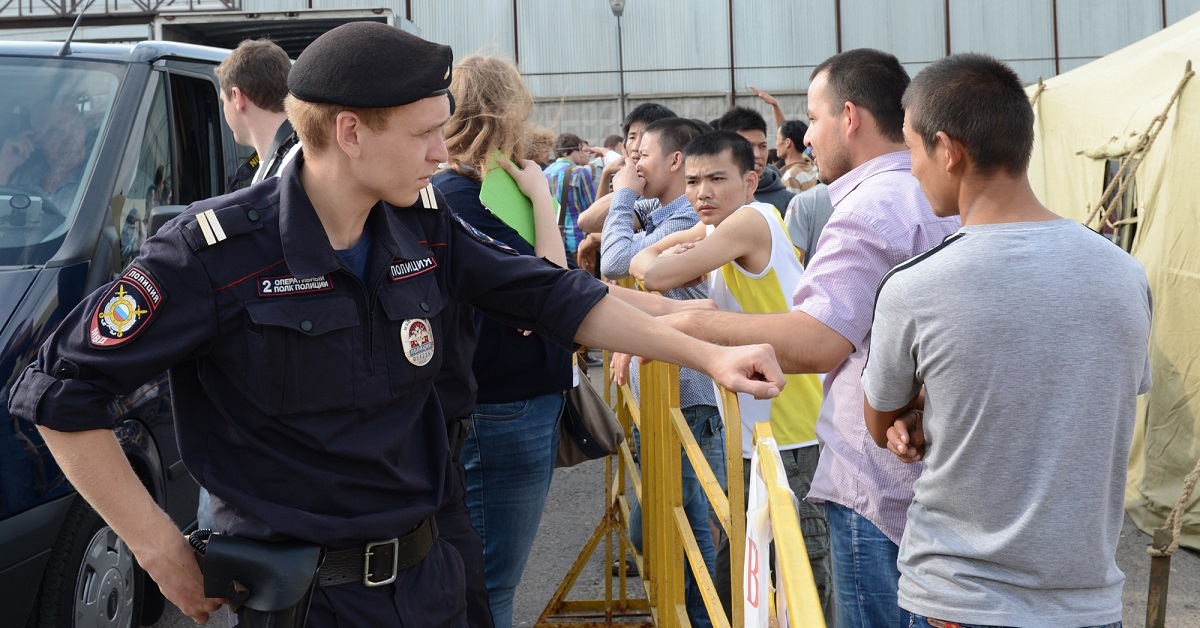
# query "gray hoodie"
(772, 190)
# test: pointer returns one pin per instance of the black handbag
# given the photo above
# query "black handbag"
(589, 429)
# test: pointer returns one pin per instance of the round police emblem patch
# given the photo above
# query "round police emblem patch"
(417, 337)
(125, 310)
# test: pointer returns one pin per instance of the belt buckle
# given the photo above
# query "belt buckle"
(394, 545)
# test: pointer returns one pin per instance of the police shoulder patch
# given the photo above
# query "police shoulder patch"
(483, 237)
(125, 310)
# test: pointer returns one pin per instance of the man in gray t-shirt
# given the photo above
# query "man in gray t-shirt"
(1027, 334)
(805, 218)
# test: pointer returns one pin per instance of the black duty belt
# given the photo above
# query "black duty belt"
(378, 562)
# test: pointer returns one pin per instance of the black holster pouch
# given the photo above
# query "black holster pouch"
(268, 584)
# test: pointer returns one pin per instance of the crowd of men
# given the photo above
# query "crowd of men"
(939, 423)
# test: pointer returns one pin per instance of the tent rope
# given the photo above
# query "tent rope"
(1175, 519)
(1038, 92)
(1131, 160)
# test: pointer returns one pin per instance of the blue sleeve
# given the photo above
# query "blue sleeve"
(619, 242)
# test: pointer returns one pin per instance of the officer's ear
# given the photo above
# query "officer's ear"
(238, 98)
(346, 131)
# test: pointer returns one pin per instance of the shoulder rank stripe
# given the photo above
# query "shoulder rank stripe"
(218, 231)
(210, 226)
(209, 238)
(429, 197)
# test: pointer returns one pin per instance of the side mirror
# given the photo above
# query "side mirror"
(160, 215)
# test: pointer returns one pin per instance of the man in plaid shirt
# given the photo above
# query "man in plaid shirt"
(572, 185)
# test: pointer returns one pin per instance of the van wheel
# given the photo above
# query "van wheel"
(92, 578)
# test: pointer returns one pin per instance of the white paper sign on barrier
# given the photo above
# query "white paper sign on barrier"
(757, 580)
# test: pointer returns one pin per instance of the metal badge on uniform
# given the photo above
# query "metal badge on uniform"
(125, 310)
(417, 336)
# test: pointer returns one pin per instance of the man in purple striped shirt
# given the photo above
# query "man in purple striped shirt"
(881, 218)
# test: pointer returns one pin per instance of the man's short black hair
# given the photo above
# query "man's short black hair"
(713, 143)
(645, 113)
(871, 79)
(674, 133)
(742, 119)
(979, 101)
(794, 130)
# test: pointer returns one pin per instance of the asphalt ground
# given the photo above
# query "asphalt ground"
(576, 504)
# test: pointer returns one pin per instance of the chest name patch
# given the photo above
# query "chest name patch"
(290, 285)
(403, 269)
(126, 309)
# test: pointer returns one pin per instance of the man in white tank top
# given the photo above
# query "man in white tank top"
(752, 267)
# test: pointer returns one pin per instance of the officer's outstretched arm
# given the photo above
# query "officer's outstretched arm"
(95, 464)
(618, 326)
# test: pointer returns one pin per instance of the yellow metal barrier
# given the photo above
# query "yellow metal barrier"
(667, 536)
(795, 577)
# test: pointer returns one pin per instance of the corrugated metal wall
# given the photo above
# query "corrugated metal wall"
(678, 52)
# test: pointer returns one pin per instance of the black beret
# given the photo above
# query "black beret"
(370, 65)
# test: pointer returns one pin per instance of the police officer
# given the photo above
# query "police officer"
(301, 321)
(253, 81)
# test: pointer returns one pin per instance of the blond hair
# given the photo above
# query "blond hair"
(315, 122)
(540, 140)
(492, 105)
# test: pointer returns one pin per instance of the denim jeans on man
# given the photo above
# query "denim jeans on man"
(865, 576)
(509, 458)
(917, 621)
(709, 430)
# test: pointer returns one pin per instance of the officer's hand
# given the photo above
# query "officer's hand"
(751, 369)
(529, 178)
(628, 177)
(172, 564)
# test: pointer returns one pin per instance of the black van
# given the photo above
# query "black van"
(99, 144)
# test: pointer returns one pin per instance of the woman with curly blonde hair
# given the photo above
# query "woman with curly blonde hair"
(509, 450)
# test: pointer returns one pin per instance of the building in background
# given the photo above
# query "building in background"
(695, 56)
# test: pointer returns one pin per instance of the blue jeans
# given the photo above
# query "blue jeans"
(509, 458)
(709, 430)
(865, 575)
(917, 621)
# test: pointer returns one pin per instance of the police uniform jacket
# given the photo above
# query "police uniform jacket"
(302, 397)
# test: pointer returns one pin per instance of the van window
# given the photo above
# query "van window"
(51, 115)
(199, 161)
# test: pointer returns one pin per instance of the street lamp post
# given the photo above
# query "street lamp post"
(618, 8)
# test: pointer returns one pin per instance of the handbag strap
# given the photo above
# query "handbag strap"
(563, 186)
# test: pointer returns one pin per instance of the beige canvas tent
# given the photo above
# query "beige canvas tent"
(1091, 121)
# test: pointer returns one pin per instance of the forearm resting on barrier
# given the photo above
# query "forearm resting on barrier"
(618, 326)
